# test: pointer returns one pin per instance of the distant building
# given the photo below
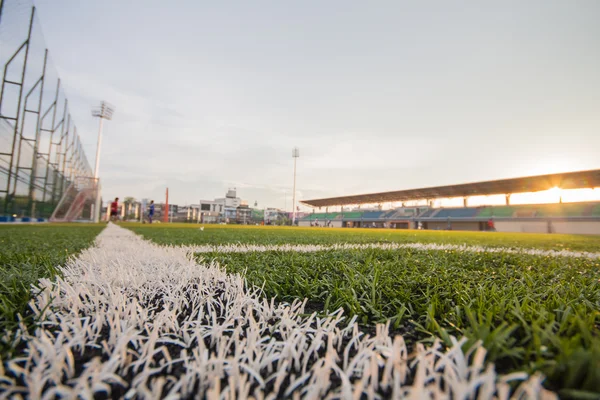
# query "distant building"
(224, 209)
(207, 211)
(230, 204)
(229, 209)
(244, 214)
(274, 216)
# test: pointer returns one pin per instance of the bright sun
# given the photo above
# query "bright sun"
(555, 195)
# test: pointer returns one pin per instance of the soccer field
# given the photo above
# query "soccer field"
(282, 312)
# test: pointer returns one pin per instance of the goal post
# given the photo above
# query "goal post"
(78, 201)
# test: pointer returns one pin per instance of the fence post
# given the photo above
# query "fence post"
(34, 162)
(52, 129)
(57, 175)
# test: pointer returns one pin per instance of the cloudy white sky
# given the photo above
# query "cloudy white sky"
(377, 95)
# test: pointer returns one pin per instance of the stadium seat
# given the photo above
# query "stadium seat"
(389, 214)
(429, 213)
(315, 216)
(352, 215)
(561, 210)
(501, 211)
(456, 213)
(373, 214)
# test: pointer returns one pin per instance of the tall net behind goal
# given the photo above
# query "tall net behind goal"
(78, 201)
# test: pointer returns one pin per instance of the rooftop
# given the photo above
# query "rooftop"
(566, 180)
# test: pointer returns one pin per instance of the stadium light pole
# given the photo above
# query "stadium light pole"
(104, 111)
(295, 155)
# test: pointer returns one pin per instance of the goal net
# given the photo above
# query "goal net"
(78, 201)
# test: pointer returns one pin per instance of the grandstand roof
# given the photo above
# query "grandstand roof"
(567, 180)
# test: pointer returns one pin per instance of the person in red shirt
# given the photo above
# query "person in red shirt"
(114, 210)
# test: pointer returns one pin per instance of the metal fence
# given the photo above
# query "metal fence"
(40, 150)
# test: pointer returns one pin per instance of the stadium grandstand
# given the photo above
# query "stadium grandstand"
(367, 210)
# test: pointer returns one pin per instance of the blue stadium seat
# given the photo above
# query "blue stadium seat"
(388, 214)
(428, 213)
(351, 215)
(456, 213)
(373, 214)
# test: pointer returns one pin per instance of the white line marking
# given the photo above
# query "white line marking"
(309, 248)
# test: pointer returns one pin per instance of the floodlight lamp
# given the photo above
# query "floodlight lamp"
(105, 110)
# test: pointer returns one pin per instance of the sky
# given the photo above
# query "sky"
(378, 96)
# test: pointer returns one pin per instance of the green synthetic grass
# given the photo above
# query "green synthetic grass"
(189, 234)
(31, 252)
(532, 313)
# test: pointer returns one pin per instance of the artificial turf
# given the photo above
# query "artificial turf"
(531, 312)
(31, 252)
(136, 320)
(190, 234)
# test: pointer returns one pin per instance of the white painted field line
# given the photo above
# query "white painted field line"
(309, 248)
(163, 326)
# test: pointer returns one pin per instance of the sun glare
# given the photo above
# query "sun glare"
(555, 191)
(554, 195)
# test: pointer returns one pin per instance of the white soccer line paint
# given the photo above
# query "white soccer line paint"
(116, 285)
(309, 248)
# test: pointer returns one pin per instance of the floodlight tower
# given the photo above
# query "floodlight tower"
(104, 111)
(295, 155)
